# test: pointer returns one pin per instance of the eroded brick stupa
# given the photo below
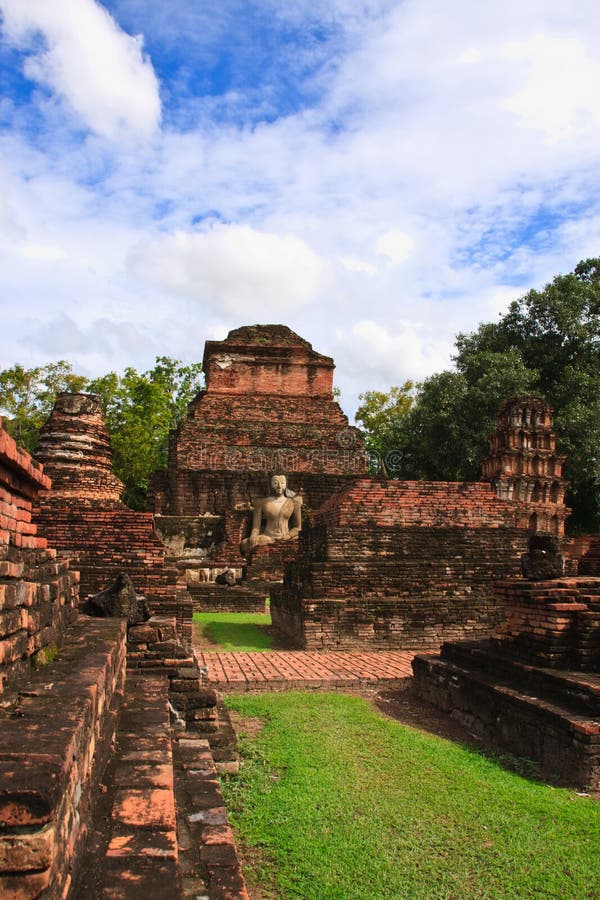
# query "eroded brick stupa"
(83, 517)
(524, 466)
(268, 408)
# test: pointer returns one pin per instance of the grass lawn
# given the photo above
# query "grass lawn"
(336, 801)
(235, 631)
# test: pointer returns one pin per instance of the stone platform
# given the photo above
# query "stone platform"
(220, 598)
(547, 715)
(294, 670)
(533, 688)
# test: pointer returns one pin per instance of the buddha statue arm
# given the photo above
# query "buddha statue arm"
(296, 518)
(257, 515)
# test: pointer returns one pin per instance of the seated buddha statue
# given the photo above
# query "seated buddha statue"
(277, 517)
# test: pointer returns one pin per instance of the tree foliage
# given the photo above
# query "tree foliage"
(547, 345)
(379, 413)
(140, 410)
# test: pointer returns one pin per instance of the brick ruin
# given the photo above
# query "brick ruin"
(83, 517)
(55, 733)
(392, 564)
(38, 591)
(268, 407)
(84, 750)
(532, 688)
(524, 467)
(379, 564)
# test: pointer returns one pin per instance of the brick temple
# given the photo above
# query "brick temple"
(524, 466)
(267, 408)
(379, 565)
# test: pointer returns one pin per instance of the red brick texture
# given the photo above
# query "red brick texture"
(54, 743)
(102, 543)
(398, 564)
(38, 592)
(555, 624)
(83, 517)
(532, 688)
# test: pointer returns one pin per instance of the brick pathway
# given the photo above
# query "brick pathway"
(302, 670)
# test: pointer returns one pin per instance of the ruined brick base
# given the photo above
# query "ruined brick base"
(104, 543)
(220, 598)
(548, 716)
(381, 623)
(54, 742)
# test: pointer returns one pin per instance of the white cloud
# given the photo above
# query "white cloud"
(396, 245)
(358, 265)
(98, 68)
(234, 269)
(44, 252)
(562, 86)
(379, 356)
(404, 191)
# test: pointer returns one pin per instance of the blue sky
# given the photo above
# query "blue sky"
(377, 175)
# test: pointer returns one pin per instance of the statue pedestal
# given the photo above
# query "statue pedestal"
(267, 561)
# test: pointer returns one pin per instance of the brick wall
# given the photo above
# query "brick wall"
(398, 564)
(38, 592)
(555, 624)
(54, 744)
(531, 688)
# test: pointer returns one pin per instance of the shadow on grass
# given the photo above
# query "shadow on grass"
(407, 707)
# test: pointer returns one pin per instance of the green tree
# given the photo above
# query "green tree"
(27, 397)
(379, 415)
(557, 332)
(547, 344)
(140, 410)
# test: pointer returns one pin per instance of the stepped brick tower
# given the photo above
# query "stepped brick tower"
(268, 407)
(83, 517)
(524, 467)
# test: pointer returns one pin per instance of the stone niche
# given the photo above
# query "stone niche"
(524, 466)
(268, 408)
(532, 688)
(83, 517)
(398, 564)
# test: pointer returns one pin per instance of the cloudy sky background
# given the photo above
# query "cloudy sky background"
(376, 174)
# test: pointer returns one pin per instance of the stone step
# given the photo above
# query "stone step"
(136, 856)
(160, 826)
(565, 743)
(577, 691)
(208, 856)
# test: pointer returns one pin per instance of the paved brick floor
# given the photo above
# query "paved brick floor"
(302, 670)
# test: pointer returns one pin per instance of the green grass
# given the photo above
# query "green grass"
(335, 802)
(236, 631)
